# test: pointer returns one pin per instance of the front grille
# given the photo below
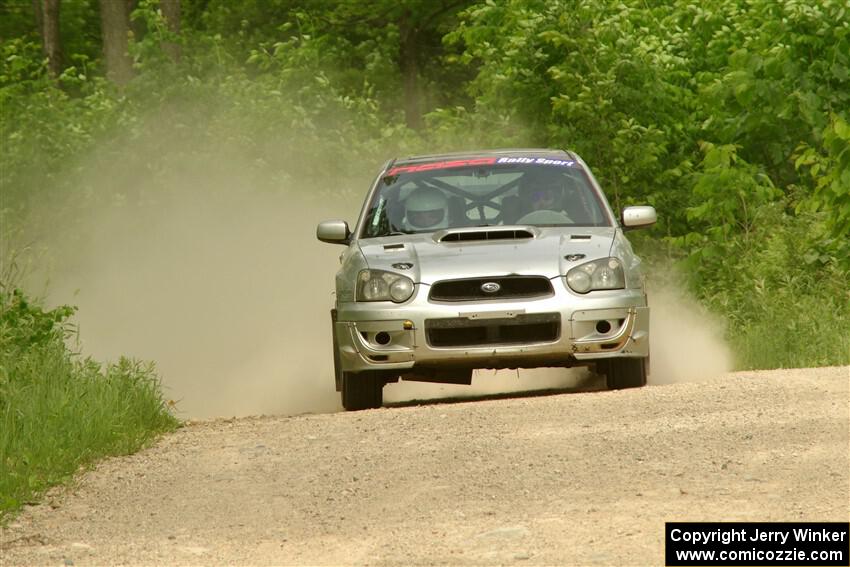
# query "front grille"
(510, 287)
(522, 329)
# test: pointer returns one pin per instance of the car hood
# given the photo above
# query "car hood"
(549, 252)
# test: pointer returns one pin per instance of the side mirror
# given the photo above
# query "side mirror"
(638, 217)
(333, 231)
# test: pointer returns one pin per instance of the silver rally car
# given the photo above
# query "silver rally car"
(491, 259)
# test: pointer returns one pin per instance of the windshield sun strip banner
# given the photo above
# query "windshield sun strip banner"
(481, 161)
(441, 165)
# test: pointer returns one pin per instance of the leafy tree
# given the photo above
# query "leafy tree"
(415, 27)
(395, 47)
(830, 170)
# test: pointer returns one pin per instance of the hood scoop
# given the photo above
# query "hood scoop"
(471, 235)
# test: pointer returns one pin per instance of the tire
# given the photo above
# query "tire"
(622, 373)
(363, 390)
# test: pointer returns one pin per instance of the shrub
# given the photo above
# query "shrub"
(59, 411)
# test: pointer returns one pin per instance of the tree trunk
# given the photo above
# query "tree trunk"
(171, 12)
(409, 66)
(39, 17)
(115, 26)
(47, 19)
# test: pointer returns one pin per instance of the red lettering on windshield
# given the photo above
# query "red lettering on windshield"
(441, 165)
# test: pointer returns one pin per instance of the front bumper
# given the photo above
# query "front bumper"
(387, 336)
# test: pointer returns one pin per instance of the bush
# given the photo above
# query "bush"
(780, 287)
(59, 412)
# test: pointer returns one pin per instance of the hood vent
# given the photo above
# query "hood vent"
(502, 234)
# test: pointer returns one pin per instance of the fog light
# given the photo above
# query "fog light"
(382, 338)
(603, 327)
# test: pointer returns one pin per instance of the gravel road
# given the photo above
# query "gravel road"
(567, 479)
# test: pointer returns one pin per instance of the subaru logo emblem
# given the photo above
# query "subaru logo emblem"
(490, 287)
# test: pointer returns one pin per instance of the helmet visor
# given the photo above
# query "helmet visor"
(425, 219)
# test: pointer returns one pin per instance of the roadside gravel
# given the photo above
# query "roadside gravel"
(567, 479)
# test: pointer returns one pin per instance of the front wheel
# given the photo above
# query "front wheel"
(624, 373)
(362, 390)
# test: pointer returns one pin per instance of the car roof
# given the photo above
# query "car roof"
(513, 152)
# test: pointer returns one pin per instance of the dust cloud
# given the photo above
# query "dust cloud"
(229, 294)
(687, 342)
(207, 265)
(230, 299)
(213, 272)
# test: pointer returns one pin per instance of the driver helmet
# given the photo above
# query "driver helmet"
(426, 208)
(542, 192)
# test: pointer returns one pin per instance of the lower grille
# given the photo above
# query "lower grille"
(464, 332)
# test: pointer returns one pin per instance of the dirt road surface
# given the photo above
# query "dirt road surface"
(567, 479)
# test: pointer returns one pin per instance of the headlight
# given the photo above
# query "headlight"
(378, 285)
(604, 273)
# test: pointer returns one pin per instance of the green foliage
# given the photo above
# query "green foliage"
(79, 28)
(603, 79)
(636, 86)
(830, 172)
(17, 20)
(729, 197)
(274, 110)
(24, 326)
(783, 294)
(46, 125)
(59, 412)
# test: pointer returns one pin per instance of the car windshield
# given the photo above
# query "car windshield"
(482, 192)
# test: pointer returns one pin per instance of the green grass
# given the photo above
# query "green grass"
(779, 310)
(60, 412)
(784, 292)
(795, 331)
